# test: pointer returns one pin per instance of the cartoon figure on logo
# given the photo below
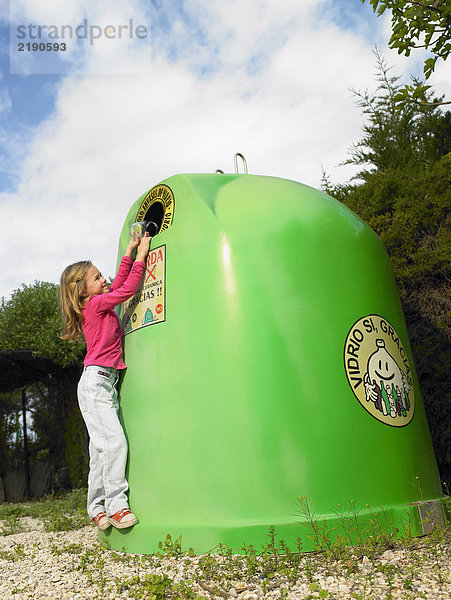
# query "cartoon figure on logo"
(386, 384)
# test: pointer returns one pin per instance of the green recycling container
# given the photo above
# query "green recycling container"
(270, 381)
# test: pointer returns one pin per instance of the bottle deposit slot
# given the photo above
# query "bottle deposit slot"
(154, 218)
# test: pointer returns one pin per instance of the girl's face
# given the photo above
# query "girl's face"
(95, 283)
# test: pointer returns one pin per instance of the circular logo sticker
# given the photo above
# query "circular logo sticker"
(378, 371)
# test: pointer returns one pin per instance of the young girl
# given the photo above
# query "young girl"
(86, 306)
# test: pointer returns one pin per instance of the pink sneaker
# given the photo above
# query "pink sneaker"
(101, 520)
(123, 518)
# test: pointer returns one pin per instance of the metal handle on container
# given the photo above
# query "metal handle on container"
(235, 158)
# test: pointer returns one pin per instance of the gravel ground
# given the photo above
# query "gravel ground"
(36, 564)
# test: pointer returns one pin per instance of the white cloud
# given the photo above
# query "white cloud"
(249, 76)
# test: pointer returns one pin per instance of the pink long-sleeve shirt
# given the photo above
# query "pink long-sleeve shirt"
(101, 325)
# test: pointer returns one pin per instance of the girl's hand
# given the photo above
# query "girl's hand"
(143, 247)
(132, 245)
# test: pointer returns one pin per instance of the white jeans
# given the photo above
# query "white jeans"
(99, 405)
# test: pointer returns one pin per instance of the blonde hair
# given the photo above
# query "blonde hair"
(71, 300)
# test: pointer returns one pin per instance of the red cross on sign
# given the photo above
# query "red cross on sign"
(150, 273)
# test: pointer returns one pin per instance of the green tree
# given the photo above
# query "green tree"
(30, 320)
(397, 135)
(418, 24)
(402, 191)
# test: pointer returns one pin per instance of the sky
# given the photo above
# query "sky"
(148, 89)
